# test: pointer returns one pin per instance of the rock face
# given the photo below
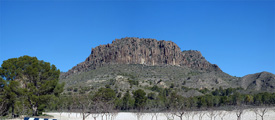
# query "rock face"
(150, 61)
(264, 81)
(143, 51)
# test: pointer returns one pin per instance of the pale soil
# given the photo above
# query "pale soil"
(229, 115)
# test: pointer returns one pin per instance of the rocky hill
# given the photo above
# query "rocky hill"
(131, 63)
(263, 81)
(143, 51)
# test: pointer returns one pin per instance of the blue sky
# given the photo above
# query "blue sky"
(238, 36)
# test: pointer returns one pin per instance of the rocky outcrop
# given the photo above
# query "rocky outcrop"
(263, 81)
(194, 59)
(143, 51)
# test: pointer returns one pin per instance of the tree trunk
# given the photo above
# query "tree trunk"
(83, 116)
(238, 117)
(12, 111)
(34, 110)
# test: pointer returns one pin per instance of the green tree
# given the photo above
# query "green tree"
(105, 99)
(266, 97)
(127, 101)
(248, 99)
(193, 102)
(224, 100)
(151, 96)
(237, 98)
(209, 100)
(229, 91)
(258, 99)
(10, 93)
(37, 79)
(202, 102)
(216, 101)
(140, 99)
(3, 98)
(176, 101)
(105, 95)
(155, 88)
(162, 101)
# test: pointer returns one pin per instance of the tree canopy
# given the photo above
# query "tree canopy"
(140, 99)
(31, 79)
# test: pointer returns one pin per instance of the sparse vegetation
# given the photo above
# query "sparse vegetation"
(139, 88)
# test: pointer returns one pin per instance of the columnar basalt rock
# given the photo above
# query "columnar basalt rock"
(145, 51)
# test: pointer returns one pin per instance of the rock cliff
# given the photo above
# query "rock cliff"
(143, 51)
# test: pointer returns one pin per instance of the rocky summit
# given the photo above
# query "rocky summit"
(143, 51)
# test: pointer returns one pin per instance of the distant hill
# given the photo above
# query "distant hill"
(150, 62)
(263, 81)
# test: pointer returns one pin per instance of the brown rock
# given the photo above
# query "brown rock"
(142, 51)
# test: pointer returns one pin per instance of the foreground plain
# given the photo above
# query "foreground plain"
(217, 115)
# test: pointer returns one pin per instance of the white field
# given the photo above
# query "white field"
(228, 115)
